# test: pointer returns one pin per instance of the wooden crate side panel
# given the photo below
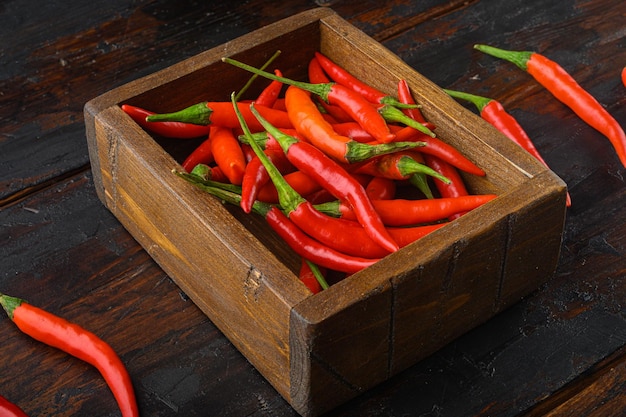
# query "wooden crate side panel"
(343, 355)
(449, 293)
(535, 234)
(168, 218)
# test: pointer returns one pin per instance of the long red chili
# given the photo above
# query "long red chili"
(256, 176)
(456, 187)
(494, 112)
(177, 130)
(336, 180)
(270, 94)
(397, 166)
(361, 110)
(8, 409)
(564, 88)
(379, 188)
(298, 180)
(308, 278)
(404, 212)
(308, 121)
(76, 341)
(222, 114)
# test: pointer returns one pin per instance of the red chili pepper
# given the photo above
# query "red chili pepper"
(256, 176)
(298, 180)
(456, 187)
(336, 180)
(8, 409)
(308, 278)
(201, 155)
(397, 166)
(404, 212)
(222, 114)
(379, 188)
(177, 130)
(442, 150)
(308, 121)
(270, 94)
(564, 88)
(340, 75)
(76, 341)
(624, 76)
(228, 154)
(405, 96)
(362, 111)
(493, 112)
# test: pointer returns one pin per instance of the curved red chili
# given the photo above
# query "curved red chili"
(564, 88)
(298, 180)
(8, 409)
(201, 155)
(493, 112)
(270, 94)
(624, 76)
(78, 342)
(379, 188)
(308, 278)
(256, 176)
(397, 166)
(456, 187)
(176, 130)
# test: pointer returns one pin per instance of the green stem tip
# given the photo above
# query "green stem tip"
(10, 304)
(519, 58)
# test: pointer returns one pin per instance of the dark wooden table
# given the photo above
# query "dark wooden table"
(561, 351)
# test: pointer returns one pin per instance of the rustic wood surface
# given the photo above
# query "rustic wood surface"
(561, 351)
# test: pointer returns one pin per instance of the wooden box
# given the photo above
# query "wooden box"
(321, 350)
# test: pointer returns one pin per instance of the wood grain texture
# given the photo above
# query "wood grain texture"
(559, 351)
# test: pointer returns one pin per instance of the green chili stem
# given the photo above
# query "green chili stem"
(519, 58)
(10, 304)
(408, 166)
(255, 76)
(478, 101)
(420, 181)
(393, 114)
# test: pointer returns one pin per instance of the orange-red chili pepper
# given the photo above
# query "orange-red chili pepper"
(308, 278)
(397, 166)
(564, 88)
(362, 111)
(76, 341)
(228, 154)
(8, 409)
(298, 180)
(624, 76)
(171, 129)
(456, 187)
(308, 121)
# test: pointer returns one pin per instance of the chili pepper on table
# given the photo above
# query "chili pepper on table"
(624, 76)
(308, 121)
(8, 409)
(335, 179)
(405, 212)
(494, 112)
(170, 129)
(564, 88)
(76, 341)
(362, 111)
(222, 113)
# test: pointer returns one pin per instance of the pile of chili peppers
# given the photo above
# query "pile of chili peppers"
(76, 341)
(344, 173)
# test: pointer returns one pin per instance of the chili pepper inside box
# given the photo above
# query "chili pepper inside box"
(320, 350)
